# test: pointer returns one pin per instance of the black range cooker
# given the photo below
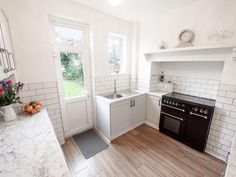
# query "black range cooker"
(187, 118)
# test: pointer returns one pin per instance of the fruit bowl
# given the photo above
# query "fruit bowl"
(33, 107)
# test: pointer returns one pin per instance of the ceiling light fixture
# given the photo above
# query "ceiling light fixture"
(114, 2)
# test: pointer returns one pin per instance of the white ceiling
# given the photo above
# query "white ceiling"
(134, 9)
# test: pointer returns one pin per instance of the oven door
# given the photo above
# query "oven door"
(172, 125)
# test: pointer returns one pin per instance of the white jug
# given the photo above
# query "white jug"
(8, 113)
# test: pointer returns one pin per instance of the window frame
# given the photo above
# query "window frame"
(79, 28)
(123, 60)
(64, 47)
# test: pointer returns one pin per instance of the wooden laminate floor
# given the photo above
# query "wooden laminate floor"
(143, 152)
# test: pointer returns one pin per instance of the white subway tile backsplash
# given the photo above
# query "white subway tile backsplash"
(50, 84)
(233, 115)
(28, 93)
(35, 86)
(231, 94)
(229, 107)
(46, 92)
(226, 87)
(224, 100)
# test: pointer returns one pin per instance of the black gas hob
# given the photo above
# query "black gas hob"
(187, 118)
(191, 99)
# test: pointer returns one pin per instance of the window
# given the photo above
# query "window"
(69, 36)
(117, 53)
(70, 44)
(73, 74)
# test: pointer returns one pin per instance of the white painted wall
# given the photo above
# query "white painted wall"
(32, 38)
(202, 17)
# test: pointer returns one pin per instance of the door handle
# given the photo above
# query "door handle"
(178, 118)
(133, 102)
(192, 113)
(173, 107)
(159, 102)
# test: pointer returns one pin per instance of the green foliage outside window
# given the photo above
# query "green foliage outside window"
(72, 64)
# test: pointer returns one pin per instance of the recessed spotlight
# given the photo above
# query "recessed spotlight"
(114, 2)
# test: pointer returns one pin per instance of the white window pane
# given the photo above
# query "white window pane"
(73, 75)
(116, 53)
(69, 35)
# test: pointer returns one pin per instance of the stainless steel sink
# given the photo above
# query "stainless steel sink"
(113, 96)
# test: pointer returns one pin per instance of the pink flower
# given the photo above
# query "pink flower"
(1, 91)
(9, 83)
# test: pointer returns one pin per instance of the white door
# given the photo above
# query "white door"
(153, 110)
(139, 110)
(72, 61)
(120, 118)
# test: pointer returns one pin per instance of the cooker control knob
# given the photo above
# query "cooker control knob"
(206, 111)
(173, 103)
(196, 109)
(201, 110)
(176, 104)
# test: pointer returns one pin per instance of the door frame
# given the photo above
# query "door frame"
(85, 51)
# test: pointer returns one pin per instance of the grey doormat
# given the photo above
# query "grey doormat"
(90, 143)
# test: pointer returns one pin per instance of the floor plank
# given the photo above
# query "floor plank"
(143, 152)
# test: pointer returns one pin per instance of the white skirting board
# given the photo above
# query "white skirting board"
(151, 124)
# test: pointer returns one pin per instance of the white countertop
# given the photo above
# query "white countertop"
(158, 93)
(231, 167)
(126, 94)
(29, 148)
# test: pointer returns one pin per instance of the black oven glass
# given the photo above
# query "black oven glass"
(172, 124)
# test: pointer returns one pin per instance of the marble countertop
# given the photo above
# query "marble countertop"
(231, 167)
(29, 148)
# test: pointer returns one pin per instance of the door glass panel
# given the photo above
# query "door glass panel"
(172, 124)
(69, 36)
(73, 74)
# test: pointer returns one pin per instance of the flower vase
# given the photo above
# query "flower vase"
(8, 112)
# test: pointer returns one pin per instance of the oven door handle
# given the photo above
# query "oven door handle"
(173, 107)
(192, 113)
(178, 118)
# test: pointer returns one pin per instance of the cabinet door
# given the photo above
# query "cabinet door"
(153, 109)
(6, 43)
(139, 109)
(120, 117)
(5, 32)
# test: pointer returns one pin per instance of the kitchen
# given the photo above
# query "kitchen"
(162, 47)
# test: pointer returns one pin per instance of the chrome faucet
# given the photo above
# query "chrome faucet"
(115, 86)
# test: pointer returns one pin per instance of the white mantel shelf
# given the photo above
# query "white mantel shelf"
(209, 53)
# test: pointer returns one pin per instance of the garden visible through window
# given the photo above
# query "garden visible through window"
(73, 75)
(117, 52)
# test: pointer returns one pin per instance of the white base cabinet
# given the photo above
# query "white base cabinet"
(153, 111)
(115, 119)
(120, 117)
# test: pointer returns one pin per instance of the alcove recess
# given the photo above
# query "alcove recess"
(208, 70)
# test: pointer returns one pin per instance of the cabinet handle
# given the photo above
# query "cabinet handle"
(131, 104)
(159, 102)
(192, 113)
